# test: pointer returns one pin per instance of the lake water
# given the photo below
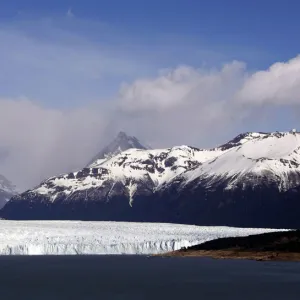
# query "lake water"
(138, 277)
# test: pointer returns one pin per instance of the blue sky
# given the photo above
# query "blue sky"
(143, 36)
(256, 24)
(73, 73)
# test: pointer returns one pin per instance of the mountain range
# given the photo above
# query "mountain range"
(251, 181)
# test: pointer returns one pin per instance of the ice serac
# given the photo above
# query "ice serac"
(67, 238)
(7, 190)
(251, 181)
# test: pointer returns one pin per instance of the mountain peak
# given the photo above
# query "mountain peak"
(121, 143)
(122, 134)
(241, 139)
(249, 136)
(7, 190)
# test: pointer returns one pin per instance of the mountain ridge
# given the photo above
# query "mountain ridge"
(254, 172)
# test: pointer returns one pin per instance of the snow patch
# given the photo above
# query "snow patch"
(132, 189)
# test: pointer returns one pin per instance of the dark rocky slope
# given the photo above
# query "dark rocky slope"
(267, 246)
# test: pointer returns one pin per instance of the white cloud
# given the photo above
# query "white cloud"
(203, 106)
(182, 86)
(279, 85)
(43, 142)
(183, 105)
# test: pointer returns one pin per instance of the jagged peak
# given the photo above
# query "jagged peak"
(120, 143)
(123, 134)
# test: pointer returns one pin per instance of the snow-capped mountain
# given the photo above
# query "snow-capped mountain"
(253, 180)
(121, 143)
(7, 190)
(250, 159)
(129, 173)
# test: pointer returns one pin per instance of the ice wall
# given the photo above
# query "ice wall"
(69, 237)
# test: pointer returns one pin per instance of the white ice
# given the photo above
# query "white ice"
(74, 237)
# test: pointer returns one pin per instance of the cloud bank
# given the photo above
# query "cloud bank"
(279, 85)
(41, 142)
(203, 107)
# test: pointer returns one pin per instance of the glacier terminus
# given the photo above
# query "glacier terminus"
(80, 238)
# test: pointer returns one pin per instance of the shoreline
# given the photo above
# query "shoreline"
(274, 246)
(234, 254)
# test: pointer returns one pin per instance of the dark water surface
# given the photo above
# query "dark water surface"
(137, 277)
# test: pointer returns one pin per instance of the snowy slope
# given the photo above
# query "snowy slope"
(7, 190)
(275, 155)
(160, 165)
(134, 170)
(54, 238)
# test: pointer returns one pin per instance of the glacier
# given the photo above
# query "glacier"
(113, 238)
